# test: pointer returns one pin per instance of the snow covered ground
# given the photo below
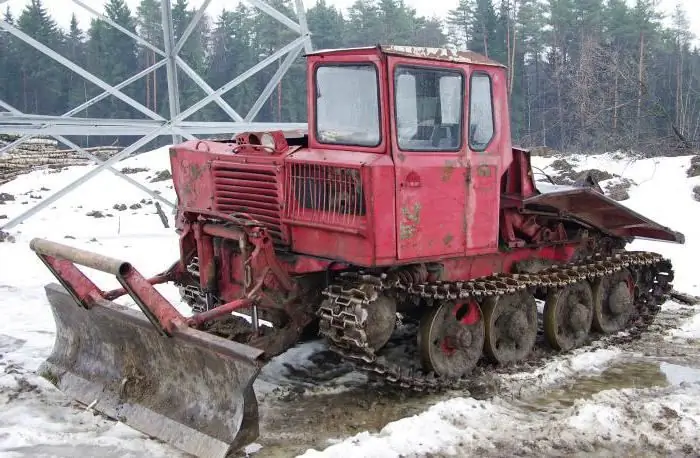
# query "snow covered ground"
(602, 400)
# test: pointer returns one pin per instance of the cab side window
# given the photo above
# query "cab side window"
(428, 108)
(481, 125)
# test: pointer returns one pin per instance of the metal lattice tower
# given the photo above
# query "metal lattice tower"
(13, 121)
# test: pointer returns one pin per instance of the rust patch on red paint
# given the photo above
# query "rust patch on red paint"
(484, 170)
(442, 54)
(196, 171)
(402, 157)
(191, 172)
(447, 239)
(410, 221)
(448, 170)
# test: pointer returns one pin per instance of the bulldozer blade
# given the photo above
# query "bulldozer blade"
(192, 390)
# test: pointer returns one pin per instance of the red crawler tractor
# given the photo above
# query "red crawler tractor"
(404, 204)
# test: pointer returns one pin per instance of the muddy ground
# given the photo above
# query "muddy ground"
(322, 402)
(311, 400)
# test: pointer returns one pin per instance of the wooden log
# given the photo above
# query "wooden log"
(41, 153)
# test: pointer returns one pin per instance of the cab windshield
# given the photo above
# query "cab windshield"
(347, 105)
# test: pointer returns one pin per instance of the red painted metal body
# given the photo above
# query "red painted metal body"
(329, 206)
(263, 218)
(426, 177)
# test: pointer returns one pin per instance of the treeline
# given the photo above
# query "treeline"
(584, 74)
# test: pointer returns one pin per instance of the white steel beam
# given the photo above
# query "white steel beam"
(170, 64)
(32, 119)
(274, 81)
(188, 130)
(66, 124)
(99, 161)
(87, 104)
(127, 32)
(240, 78)
(264, 6)
(65, 190)
(208, 89)
(79, 70)
(95, 159)
(214, 128)
(301, 16)
(191, 26)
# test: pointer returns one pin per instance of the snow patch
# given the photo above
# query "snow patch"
(689, 330)
(463, 427)
(590, 362)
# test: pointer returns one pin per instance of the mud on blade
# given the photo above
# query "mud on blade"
(192, 390)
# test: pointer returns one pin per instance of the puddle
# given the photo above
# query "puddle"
(291, 427)
(635, 374)
(678, 375)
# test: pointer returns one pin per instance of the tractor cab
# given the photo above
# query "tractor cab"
(440, 116)
(362, 96)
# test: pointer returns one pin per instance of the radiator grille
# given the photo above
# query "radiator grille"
(251, 191)
(325, 194)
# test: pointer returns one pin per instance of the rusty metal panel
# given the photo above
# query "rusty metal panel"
(430, 205)
(191, 178)
(340, 204)
(249, 189)
(604, 213)
(442, 54)
(420, 52)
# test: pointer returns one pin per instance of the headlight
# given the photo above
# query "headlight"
(267, 140)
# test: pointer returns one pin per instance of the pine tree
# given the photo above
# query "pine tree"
(646, 20)
(41, 76)
(592, 75)
(231, 54)
(398, 22)
(10, 77)
(429, 32)
(111, 56)
(364, 24)
(459, 21)
(268, 35)
(327, 26)
(485, 36)
(153, 87)
(193, 53)
(75, 51)
(531, 20)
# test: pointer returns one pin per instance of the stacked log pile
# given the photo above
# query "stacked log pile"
(38, 153)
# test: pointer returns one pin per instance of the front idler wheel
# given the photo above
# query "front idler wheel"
(510, 324)
(568, 315)
(451, 339)
(380, 321)
(613, 300)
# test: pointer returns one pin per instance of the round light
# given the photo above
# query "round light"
(267, 140)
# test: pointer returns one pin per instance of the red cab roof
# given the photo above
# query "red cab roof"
(421, 52)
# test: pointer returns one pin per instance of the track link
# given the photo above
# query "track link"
(343, 314)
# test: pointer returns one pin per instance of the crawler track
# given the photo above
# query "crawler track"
(343, 313)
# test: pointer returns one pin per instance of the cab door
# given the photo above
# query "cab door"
(430, 155)
(489, 148)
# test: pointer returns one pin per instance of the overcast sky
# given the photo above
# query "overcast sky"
(62, 9)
